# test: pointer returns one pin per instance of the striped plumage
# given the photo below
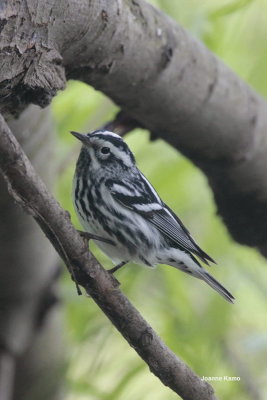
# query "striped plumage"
(114, 200)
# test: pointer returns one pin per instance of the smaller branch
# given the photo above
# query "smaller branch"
(31, 194)
(122, 124)
(7, 372)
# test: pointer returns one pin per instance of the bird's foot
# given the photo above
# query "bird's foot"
(117, 267)
(88, 236)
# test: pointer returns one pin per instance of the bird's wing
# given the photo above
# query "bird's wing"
(145, 201)
(170, 225)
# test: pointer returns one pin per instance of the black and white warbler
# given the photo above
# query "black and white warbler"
(115, 201)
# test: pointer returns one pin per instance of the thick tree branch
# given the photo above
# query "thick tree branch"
(30, 193)
(160, 75)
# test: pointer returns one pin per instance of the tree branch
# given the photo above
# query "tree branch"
(31, 194)
(160, 75)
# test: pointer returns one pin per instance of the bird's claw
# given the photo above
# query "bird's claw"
(88, 236)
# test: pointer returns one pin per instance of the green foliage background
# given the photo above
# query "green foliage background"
(212, 336)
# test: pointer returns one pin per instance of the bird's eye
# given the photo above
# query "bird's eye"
(105, 150)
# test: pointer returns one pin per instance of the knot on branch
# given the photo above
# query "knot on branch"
(35, 79)
(146, 338)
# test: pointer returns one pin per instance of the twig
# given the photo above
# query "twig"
(122, 124)
(29, 192)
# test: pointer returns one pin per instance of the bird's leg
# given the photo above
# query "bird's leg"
(114, 269)
(88, 236)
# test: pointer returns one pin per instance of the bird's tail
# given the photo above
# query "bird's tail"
(203, 274)
(191, 265)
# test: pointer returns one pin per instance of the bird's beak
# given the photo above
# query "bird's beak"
(83, 138)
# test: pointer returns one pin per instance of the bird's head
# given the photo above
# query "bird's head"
(106, 148)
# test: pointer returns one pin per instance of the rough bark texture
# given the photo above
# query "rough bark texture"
(160, 75)
(30, 192)
(28, 270)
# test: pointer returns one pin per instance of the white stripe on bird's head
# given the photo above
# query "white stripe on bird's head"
(106, 144)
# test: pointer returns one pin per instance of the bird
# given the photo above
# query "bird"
(116, 202)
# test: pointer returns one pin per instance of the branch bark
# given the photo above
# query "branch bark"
(31, 194)
(160, 75)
